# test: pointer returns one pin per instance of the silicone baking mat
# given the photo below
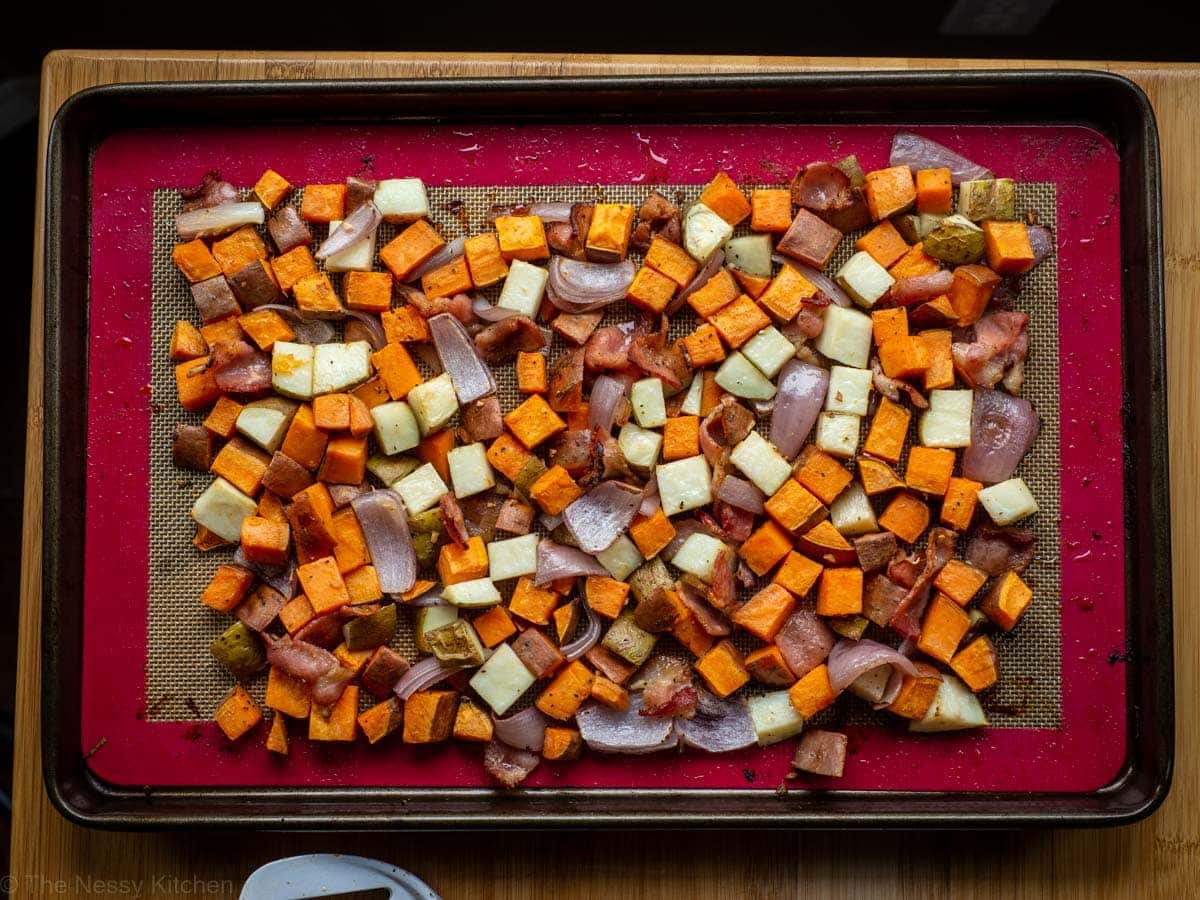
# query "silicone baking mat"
(162, 626)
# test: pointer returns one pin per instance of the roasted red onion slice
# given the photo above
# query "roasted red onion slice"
(577, 286)
(601, 515)
(650, 498)
(299, 659)
(918, 288)
(587, 640)
(308, 331)
(849, 659)
(384, 524)
(707, 271)
(471, 376)
(239, 368)
(328, 689)
(1003, 428)
(892, 691)
(917, 152)
(354, 229)
(1041, 241)
(432, 597)
(555, 561)
(602, 404)
(525, 730)
(508, 765)
(820, 280)
(710, 620)
(550, 522)
(420, 676)
(719, 726)
(801, 397)
(448, 252)
(281, 578)
(210, 221)
(374, 331)
(552, 211)
(624, 731)
(740, 493)
(489, 313)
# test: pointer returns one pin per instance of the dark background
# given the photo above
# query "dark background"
(1032, 29)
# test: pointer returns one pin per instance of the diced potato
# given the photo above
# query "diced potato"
(221, 509)
(339, 367)
(743, 379)
(837, 433)
(692, 400)
(698, 555)
(429, 618)
(390, 469)
(864, 279)
(621, 559)
(849, 390)
(684, 484)
(475, 594)
(357, 258)
(649, 405)
(872, 685)
(292, 369)
(704, 231)
(502, 679)
(759, 461)
(470, 471)
(523, 288)
(265, 422)
(396, 427)
(774, 718)
(434, 403)
(402, 199)
(1009, 501)
(769, 350)
(846, 336)
(751, 254)
(954, 708)
(640, 446)
(851, 513)
(421, 489)
(947, 422)
(513, 557)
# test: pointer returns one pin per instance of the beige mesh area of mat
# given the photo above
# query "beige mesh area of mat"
(184, 682)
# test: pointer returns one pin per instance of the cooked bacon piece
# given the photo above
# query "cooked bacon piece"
(656, 216)
(458, 306)
(515, 517)
(192, 447)
(496, 210)
(312, 537)
(566, 381)
(891, 387)
(567, 238)
(508, 765)
(654, 356)
(328, 689)
(939, 550)
(997, 353)
(669, 689)
(577, 328)
(825, 190)
(881, 598)
(452, 518)
(323, 631)
(608, 348)
(240, 369)
(580, 453)
(805, 641)
(298, 658)
(288, 230)
(995, 550)
(905, 569)
(745, 577)
(482, 420)
(736, 523)
(723, 428)
(211, 191)
(710, 620)
(615, 463)
(358, 191)
(342, 494)
(481, 513)
(501, 341)
(722, 589)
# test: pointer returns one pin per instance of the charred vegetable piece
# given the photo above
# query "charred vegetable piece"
(369, 632)
(995, 198)
(240, 651)
(955, 241)
(628, 641)
(456, 644)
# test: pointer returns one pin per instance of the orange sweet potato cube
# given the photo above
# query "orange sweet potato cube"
(785, 295)
(976, 664)
(651, 290)
(890, 191)
(264, 541)
(739, 321)
(567, 691)
(265, 327)
(371, 393)
(323, 585)
(457, 564)
(555, 491)
(609, 693)
(889, 324)
(770, 210)
(296, 613)
(888, 430)
(304, 442)
(331, 412)
(917, 692)
(323, 203)
(794, 507)
(767, 666)
(494, 627)
(341, 724)
(277, 737)
(534, 422)
(608, 234)
(970, 292)
(471, 723)
(906, 516)
(486, 264)
(368, 291)
(195, 384)
(752, 285)
(765, 547)
(1007, 247)
(877, 477)
(561, 743)
(960, 581)
(652, 533)
(669, 259)
(270, 188)
(227, 588)
(703, 347)
(840, 592)
(345, 460)
(381, 719)
(242, 465)
(315, 294)
(237, 714)
(290, 267)
(429, 717)
(532, 603)
(958, 505)
(716, 293)
(522, 237)
(934, 191)
(764, 613)
(827, 544)
(681, 437)
(447, 280)
(187, 342)
(929, 469)
(237, 250)
(725, 198)
(531, 372)
(723, 668)
(507, 456)
(410, 248)
(812, 693)
(287, 694)
(350, 551)
(606, 595)
(823, 475)
(221, 330)
(883, 243)
(942, 628)
(940, 373)
(915, 262)
(904, 357)
(363, 586)
(798, 573)
(195, 261)
(1006, 601)
(397, 370)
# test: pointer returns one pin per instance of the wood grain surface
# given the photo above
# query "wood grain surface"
(1159, 858)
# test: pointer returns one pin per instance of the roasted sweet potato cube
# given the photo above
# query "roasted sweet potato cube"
(765, 547)
(495, 626)
(238, 249)
(381, 720)
(875, 551)
(561, 744)
(914, 262)
(192, 447)
(717, 292)
(917, 692)
(296, 613)
(934, 191)
(222, 330)
(752, 285)
(723, 668)
(237, 714)
(942, 628)
(767, 666)
(971, 291)
(532, 603)
(242, 465)
(1006, 601)
(904, 357)
(254, 285)
(798, 573)
(725, 198)
(929, 469)
(703, 347)
(287, 694)
(606, 596)
(447, 280)
(888, 324)
(608, 233)
(195, 261)
(214, 300)
(764, 613)
(888, 430)
(471, 723)
(813, 692)
(288, 230)
(785, 295)
(531, 373)
(264, 541)
(671, 260)
(940, 374)
(826, 543)
(368, 291)
(566, 692)
(960, 581)
(883, 243)
(739, 321)
(906, 516)
(315, 294)
(538, 653)
(323, 203)
(522, 237)
(484, 260)
(534, 422)
(410, 248)
(227, 588)
(770, 210)
(458, 564)
(265, 327)
(323, 585)
(681, 437)
(877, 477)
(270, 188)
(810, 240)
(609, 693)
(345, 460)
(660, 611)
(290, 267)
(651, 290)
(277, 737)
(958, 505)
(976, 664)
(840, 592)
(794, 507)
(890, 191)
(187, 342)
(340, 724)
(821, 474)
(429, 716)
(1007, 247)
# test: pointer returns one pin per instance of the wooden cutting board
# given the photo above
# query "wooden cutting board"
(1159, 858)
